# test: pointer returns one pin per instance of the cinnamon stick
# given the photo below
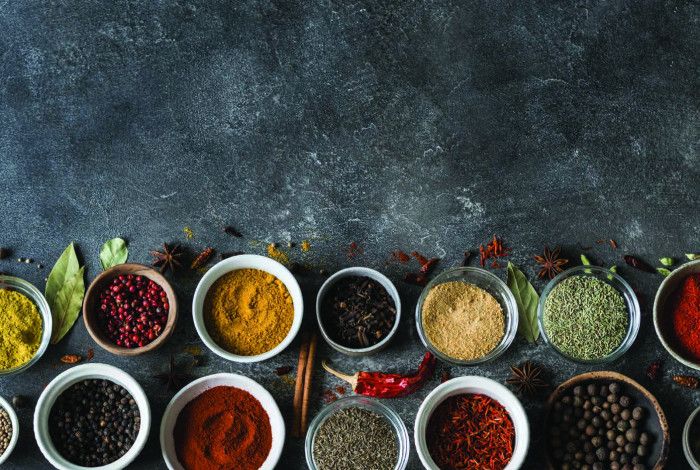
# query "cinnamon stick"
(299, 385)
(308, 380)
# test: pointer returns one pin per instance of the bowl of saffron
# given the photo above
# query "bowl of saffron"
(222, 421)
(677, 314)
(471, 421)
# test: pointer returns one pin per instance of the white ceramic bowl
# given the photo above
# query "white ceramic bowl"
(362, 272)
(666, 290)
(484, 386)
(687, 450)
(234, 263)
(73, 375)
(191, 391)
(15, 430)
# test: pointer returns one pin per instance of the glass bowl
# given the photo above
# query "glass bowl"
(28, 289)
(369, 404)
(491, 284)
(615, 281)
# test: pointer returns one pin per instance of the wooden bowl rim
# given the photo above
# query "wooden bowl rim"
(612, 375)
(129, 268)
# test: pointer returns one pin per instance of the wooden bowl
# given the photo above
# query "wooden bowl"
(656, 420)
(91, 305)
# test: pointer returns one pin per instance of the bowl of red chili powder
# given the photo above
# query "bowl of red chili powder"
(471, 422)
(222, 421)
(677, 314)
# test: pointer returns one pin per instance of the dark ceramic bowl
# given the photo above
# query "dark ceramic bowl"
(656, 419)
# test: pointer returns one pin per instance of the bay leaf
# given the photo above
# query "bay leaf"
(65, 268)
(527, 299)
(67, 305)
(113, 252)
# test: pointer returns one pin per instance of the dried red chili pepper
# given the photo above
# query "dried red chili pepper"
(639, 264)
(654, 369)
(202, 258)
(687, 381)
(381, 385)
(400, 256)
(495, 248)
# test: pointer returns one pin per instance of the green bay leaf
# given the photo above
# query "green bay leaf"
(113, 252)
(65, 269)
(67, 305)
(527, 299)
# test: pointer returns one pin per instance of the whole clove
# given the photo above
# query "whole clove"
(358, 312)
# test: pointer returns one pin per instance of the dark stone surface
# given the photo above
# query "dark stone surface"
(415, 125)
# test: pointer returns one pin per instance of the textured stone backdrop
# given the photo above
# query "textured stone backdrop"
(427, 125)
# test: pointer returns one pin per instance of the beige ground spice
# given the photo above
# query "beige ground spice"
(462, 321)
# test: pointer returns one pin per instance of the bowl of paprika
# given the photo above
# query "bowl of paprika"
(222, 421)
(677, 314)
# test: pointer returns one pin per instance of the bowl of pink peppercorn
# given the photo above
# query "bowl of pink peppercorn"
(130, 309)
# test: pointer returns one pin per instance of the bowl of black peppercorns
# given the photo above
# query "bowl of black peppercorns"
(92, 416)
(605, 420)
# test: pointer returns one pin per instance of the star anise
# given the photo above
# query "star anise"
(173, 379)
(551, 262)
(527, 379)
(169, 258)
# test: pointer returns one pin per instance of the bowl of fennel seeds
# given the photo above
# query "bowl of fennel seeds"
(589, 315)
(357, 433)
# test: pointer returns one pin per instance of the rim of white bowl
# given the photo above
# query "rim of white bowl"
(481, 385)
(687, 450)
(662, 294)
(172, 411)
(366, 272)
(66, 379)
(15, 429)
(235, 263)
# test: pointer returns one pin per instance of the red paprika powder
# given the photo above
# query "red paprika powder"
(685, 317)
(223, 428)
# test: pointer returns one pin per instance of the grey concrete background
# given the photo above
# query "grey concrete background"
(427, 125)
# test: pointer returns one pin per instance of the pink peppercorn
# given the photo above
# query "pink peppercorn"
(133, 310)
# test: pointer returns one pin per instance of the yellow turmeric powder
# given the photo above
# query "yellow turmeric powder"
(21, 328)
(248, 312)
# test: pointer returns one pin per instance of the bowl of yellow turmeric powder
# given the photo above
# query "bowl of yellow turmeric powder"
(25, 330)
(247, 308)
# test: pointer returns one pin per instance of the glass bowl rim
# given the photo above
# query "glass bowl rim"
(509, 306)
(30, 290)
(368, 403)
(625, 290)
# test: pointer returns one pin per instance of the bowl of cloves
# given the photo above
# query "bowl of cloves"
(358, 311)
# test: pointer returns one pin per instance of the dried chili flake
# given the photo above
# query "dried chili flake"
(71, 358)
(90, 354)
(613, 244)
(415, 278)
(202, 258)
(354, 250)
(495, 248)
(401, 256)
(421, 259)
(381, 385)
(638, 264)
(654, 369)
(340, 390)
(283, 370)
(328, 396)
(687, 381)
